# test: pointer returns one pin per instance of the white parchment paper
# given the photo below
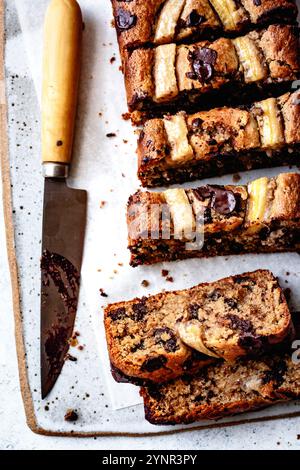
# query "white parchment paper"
(106, 167)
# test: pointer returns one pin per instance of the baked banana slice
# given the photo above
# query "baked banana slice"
(181, 213)
(177, 133)
(229, 13)
(250, 59)
(167, 21)
(194, 13)
(270, 123)
(164, 73)
(258, 191)
(191, 333)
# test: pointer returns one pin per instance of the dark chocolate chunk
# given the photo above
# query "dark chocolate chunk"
(202, 60)
(125, 20)
(167, 338)
(223, 201)
(257, 3)
(194, 19)
(139, 310)
(118, 314)
(237, 323)
(153, 363)
(197, 123)
(155, 392)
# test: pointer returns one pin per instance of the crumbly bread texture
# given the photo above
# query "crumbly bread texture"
(172, 77)
(156, 338)
(181, 147)
(224, 389)
(262, 217)
(143, 23)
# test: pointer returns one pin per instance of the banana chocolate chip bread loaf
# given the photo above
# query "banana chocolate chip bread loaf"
(172, 77)
(224, 389)
(169, 334)
(152, 22)
(262, 217)
(184, 147)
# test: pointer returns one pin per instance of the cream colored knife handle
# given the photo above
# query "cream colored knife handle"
(61, 70)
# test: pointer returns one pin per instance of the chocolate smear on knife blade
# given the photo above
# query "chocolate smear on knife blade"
(60, 274)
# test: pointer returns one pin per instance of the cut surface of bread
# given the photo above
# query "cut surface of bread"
(224, 389)
(156, 338)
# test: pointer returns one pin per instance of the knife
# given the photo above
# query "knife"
(64, 213)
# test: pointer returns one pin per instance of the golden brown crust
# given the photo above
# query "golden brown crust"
(146, 340)
(260, 11)
(138, 77)
(206, 66)
(286, 205)
(290, 109)
(220, 132)
(226, 128)
(280, 46)
(146, 13)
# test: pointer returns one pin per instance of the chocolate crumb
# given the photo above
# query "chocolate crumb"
(164, 272)
(111, 134)
(80, 348)
(102, 293)
(71, 416)
(170, 279)
(112, 60)
(71, 358)
(236, 177)
(59, 143)
(102, 204)
(145, 283)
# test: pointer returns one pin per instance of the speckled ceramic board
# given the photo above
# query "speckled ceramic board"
(106, 168)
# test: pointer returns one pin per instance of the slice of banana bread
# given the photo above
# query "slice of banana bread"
(224, 389)
(263, 217)
(184, 147)
(203, 74)
(154, 338)
(143, 23)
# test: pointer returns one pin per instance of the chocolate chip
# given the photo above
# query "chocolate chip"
(59, 143)
(223, 201)
(237, 323)
(140, 310)
(138, 346)
(276, 374)
(202, 60)
(118, 314)
(125, 20)
(257, 3)
(193, 310)
(153, 363)
(196, 123)
(155, 392)
(194, 19)
(167, 338)
(214, 295)
(231, 303)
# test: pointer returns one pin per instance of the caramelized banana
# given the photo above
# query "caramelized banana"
(181, 212)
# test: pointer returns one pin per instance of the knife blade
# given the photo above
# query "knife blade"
(64, 211)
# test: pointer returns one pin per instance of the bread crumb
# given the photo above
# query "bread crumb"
(102, 204)
(145, 283)
(236, 177)
(71, 415)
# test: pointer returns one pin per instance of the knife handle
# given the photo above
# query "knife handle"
(61, 71)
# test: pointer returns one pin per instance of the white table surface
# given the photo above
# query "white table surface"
(14, 433)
